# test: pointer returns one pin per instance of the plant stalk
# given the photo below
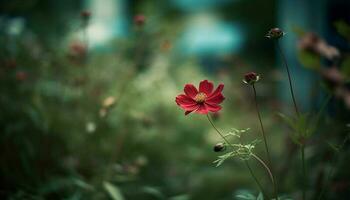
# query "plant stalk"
(265, 140)
(261, 125)
(302, 146)
(246, 162)
(289, 78)
(269, 172)
(331, 171)
(302, 149)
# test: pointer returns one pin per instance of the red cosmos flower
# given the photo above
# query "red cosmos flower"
(201, 101)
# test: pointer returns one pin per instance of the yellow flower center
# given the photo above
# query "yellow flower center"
(200, 97)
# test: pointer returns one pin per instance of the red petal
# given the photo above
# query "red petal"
(183, 100)
(206, 87)
(215, 99)
(217, 91)
(186, 102)
(190, 90)
(202, 109)
(213, 108)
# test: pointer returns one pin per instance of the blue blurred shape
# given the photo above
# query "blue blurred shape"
(109, 20)
(211, 38)
(194, 5)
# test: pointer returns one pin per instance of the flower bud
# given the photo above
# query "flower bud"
(275, 33)
(21, 76)
(251, 78)
(85, 15)
(219, 147)
(108, 102)
(139, 20)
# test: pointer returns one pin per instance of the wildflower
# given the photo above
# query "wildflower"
(139, 20)
(103, 112)
(90, 127)
(85, 15)
(219, 147)
(107, 105)
(251, 78)
(77, 49)
(275, 33)
(202, 101)
(166, 45)
(21, 75)
(108, 102)
(141, 161)
(313, 43)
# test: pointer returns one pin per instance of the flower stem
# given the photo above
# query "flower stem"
(269, 172)
(331, 171)
(221, 135)
(246, 162)
(302, 146)
(261, 125)
(289, 77)
(302, 150)
(265, 140)
(255, 179)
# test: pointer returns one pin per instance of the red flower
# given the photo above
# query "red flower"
(201, 101)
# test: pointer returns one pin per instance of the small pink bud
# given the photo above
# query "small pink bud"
(21, 76)
(139, 20)
(85, 14)
(251, 78)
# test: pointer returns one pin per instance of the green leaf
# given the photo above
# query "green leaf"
(180, 197)
(113, 191)
(343, 29)
(345, 67)
(303, 126)
(221, 159)
(260, 196)
(153, 191)
(309, 60)
(245, 195)
(82, 184)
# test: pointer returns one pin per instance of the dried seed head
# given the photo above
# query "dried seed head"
(275, 33)
(251, 78)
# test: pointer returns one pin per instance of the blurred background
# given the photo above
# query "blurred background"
(88, 87)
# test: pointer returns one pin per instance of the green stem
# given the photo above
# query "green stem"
(261, 125)
(255, 179)
(265, 140)
(331, 171)
(302, 150)
(289, 77)
(302, 147)
(269, 172)
(221, 135)
(246, 162)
